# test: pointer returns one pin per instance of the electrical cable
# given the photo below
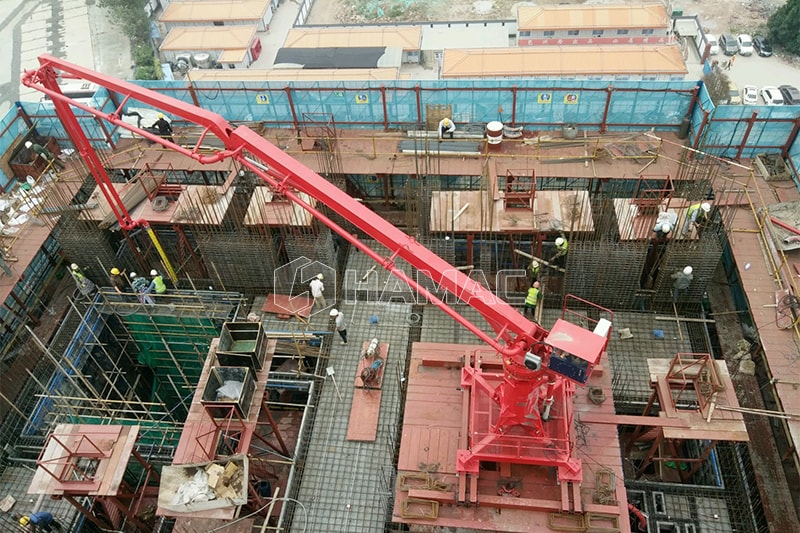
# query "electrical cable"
(283, 498)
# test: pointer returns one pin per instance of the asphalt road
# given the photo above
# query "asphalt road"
(67, 29)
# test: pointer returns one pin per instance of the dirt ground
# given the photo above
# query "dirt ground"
(717, 16)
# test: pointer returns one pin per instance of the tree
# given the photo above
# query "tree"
(783, 26)
(130, 16)
(718, 86)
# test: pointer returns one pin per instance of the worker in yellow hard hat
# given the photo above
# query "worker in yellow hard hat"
(164, 128)
(39, 521)
(118, 281)
(446, 126)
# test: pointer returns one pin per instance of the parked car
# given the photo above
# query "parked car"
(711, 40)
(728, 44)
(791, 96)
(771, 95)
(750, 95)
(745, 43)
(762, 46)
(734, 98)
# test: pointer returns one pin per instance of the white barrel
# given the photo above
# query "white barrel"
(494, 134)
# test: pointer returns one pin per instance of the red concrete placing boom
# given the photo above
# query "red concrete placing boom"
(531, 415)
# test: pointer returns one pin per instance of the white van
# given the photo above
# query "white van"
(712, 40)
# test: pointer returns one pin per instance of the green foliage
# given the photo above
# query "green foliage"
(718, 86)
(130, 16)
(147, 66)
(783, 26)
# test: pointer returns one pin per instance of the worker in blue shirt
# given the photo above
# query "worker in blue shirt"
(41, 519)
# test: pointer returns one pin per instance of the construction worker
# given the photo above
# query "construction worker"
(85, 285)
(683, 278)
(533, 270)
(40, 521)
(142, 288)
(662, 231)
(164, 128)
(157, 284)
(532, 299)
(317, 287)
(40, 150)
(696, 215)
(562, 246)
(341, 327)
(446, 126)
(118, 281)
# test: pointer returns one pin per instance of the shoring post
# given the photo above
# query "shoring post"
(604, 123)
(513, 111)
(385, 112)
(791, 139)
(417, 90)
(746, 135)
(699, 135)
(295, 122)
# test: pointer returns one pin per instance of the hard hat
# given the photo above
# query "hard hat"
(28, 144)
(154, 272)
(334, 312)
(320, 277)
(73, 266)
(687, 270)
(705, 206)
(446, 121)
(559, 241)
(161, 115)
(536, 284)
(666, 228)
(133, 275)
(24, 520)
(534, 264)
(115, 271)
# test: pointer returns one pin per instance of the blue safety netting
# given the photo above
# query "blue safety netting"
(537, 104)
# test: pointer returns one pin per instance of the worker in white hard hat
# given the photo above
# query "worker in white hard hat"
(696, 215)
(341, 327)
(662, 231)
(562, 247)
(683, 278)
(533, 270)
(446, 127)
(532, 299)
(157, 284)
(317, 288)
(142, 288)
(164, 128)
(45, 154)
(85, 286)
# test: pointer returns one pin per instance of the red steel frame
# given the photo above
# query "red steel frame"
(516, 335)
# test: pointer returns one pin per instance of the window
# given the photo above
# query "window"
(524, 34)
(549, 33)
(622, 32)
(597, 33)
(573, 32)
(647, 31)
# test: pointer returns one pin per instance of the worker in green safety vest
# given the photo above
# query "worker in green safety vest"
(532, 299)
(157, 285)
(533, 270)
(696, 215)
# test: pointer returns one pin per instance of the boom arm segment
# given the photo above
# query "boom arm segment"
(516, 334)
